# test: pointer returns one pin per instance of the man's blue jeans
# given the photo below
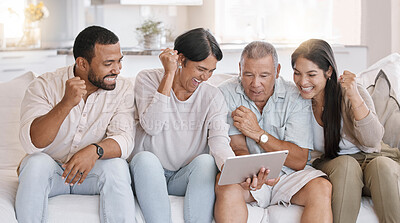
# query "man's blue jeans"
(152, 184)
(40, 179)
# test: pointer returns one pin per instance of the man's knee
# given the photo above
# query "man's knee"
(115, 168)
(227, 191)
(37, 163)
(38, 159)
(114, 165)
(319, 188)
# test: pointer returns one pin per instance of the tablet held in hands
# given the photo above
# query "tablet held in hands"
(237, 169)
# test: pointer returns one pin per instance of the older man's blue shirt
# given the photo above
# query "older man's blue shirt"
(286, 116)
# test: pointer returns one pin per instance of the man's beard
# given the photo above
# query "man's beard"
(100, 82)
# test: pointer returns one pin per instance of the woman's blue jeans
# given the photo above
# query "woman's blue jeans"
(152, 184)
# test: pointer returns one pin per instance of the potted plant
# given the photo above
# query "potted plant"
(150, 31)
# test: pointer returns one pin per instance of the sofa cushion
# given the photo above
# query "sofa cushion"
(382, 80)
(12, 92)
(217, 79)
(8, 189)
(391, 66)
(387, 108)
(63, 208)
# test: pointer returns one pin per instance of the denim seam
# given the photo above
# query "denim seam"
(186, 194)
(100, 185)
(47, 193)
(188, 199)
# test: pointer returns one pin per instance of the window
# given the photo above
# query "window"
(12, 18)
(289, 21)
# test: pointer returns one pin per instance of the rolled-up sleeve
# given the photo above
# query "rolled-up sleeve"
(35, 103)
(122, 127)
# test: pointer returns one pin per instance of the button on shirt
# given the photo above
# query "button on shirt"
(286, 116)
(106, 114)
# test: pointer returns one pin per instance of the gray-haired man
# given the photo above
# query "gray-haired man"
(268, 114)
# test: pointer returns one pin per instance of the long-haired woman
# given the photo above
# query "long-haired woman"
(347, 136)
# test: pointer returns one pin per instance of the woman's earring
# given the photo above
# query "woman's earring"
(179, 66)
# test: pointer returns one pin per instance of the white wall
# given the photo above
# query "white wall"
(341, 17)
(202, 16)
(380, 28)
(123, 19)
(66, 19)
(396, 26)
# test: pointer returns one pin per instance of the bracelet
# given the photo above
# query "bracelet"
(359, 106)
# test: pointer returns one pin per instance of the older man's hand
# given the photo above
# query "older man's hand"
(246, 122)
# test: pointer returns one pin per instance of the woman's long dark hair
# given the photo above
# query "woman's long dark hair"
(320, 53)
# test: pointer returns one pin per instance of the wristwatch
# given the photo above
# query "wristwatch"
(99, 150)
(263, 138)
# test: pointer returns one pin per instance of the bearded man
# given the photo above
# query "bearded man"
(77, 128)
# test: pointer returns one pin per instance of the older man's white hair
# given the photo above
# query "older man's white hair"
(260, 49)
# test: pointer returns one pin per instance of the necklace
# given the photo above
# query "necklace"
(316, 107)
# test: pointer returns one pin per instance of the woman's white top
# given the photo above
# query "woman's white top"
(346, 147)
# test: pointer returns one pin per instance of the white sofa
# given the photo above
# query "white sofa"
(81, 208)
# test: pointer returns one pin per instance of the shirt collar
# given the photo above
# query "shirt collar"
(280, 90)
(70, 71)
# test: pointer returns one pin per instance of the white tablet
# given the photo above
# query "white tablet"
(237, 169)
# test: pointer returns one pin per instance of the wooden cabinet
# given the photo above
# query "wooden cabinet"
(15, 63)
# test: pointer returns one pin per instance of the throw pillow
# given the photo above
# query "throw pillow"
(387, 108)
(390, 65)
(11, 95)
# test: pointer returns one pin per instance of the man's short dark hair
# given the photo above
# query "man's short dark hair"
(197, 45)
(87, 39)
